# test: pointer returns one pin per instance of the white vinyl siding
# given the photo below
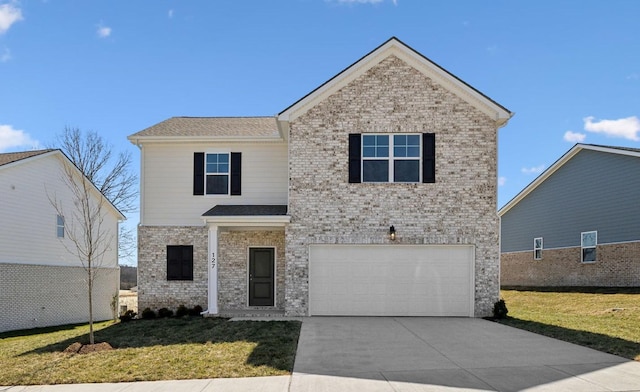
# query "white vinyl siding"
(167, 188)
(33, 238)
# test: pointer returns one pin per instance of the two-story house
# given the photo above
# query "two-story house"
(374, 194)
(43, 280)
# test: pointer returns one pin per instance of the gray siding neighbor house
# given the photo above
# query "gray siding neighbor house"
(373, 195)
(577, 224)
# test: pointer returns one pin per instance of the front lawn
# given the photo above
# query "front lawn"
(146, 350)
(604, 319)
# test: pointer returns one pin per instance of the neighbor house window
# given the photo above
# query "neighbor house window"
(217, 174)
(391, 158)
(179, 262)
(60, 226)
(589, 241)
(537, 248)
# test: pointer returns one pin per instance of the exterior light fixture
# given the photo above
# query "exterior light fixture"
(392, 233)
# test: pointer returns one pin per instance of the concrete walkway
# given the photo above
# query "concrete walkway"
(415, 354)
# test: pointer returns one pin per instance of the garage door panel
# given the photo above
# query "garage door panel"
(380, 280)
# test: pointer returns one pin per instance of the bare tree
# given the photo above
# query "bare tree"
(89, 238)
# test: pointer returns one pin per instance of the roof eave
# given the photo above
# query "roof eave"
(137, 140)
(248, 220)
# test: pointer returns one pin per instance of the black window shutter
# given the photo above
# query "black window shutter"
(429, 157)
(355, 141)
(236, 173)
(179, 262)
(198, 173)
(173, 263)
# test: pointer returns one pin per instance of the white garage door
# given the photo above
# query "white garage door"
(391, 280)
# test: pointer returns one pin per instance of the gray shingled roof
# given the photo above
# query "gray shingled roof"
(213, 127)
(246, 210)
(9, 157)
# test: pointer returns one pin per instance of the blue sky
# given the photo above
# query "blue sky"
(569, 70)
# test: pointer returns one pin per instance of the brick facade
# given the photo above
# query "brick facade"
(36, 296)
(617, 265)
(154, 290)
(460, 208)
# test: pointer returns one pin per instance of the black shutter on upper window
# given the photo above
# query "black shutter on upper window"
(236, 173)
(198, 173)
(429, 157)
(355, 142)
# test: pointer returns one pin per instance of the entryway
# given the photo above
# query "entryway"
(261, 276)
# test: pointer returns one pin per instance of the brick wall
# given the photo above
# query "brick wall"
(34, 296)
(233, 251)
(616, 265)
(154, 290)
(460, 208)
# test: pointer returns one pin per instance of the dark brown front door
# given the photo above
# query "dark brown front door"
(261, 276)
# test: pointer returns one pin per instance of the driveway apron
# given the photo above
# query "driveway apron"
(431, 354)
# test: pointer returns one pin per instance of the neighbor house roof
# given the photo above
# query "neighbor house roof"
(211, 127)
(10, 157)
(395, 47)
(560, 162)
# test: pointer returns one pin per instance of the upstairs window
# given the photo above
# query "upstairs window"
(217, 174)
(588, 243)
(59, 226)
(399, 158)
(537, 248)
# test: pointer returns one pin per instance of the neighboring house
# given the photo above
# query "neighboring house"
(375, 194)
(41, 282)
(577, 224)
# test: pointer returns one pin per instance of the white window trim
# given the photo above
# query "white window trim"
(391, 158)
(541, 248)
(218, 195)
(582, 247)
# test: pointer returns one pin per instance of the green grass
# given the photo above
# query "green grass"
(603, 319)
(146, 350)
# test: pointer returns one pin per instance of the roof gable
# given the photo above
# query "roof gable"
(561, 162)
(10, 157)
(395, 47)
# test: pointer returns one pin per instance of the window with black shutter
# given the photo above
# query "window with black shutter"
(217, 173)
(179, 262)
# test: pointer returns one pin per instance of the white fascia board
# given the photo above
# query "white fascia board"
(203, 139)
(252, 220)
(611, 150)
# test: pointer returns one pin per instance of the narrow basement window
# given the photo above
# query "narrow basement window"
(588, 243)
(537, 248)
(60, 226)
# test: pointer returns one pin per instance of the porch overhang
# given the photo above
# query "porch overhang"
(247, 216)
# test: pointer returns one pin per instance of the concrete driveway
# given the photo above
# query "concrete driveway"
(434, 354)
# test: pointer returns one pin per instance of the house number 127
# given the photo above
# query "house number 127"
(213, 260)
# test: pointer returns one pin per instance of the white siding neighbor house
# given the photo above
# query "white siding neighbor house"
(374, 194)
(41, 282)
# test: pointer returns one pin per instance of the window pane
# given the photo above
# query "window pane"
(60, 220)
(375, 171)
(400, 140)
(538, 254)
(217, 163)
(413, 152)
(217, 185)
(382, 152)
(406, 171)
(223, 158)
(369, 152)
(368, 140)
(382, 140)
(589, 238)
(588, 254)
(212, 158)
(223, 168)
(399, 151)
(537, 243)
(413, 140)
(60, 232)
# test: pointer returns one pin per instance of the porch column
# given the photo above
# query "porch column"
(213, 269)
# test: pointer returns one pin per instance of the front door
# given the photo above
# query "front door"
(261, 276)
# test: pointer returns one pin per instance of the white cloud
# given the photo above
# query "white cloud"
(5, 55)
(574, 137)
(502, 181)
(12, 138)
(627, 128)
(533, 170)
(103, 31)
(9, 14)
(170, 13)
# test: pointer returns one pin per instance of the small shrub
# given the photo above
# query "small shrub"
(164, 312)
(500, 309)
(195, 312)
(128, 316)
(182, 311)
(148, 314)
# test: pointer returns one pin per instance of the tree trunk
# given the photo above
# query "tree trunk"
(91, 340)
